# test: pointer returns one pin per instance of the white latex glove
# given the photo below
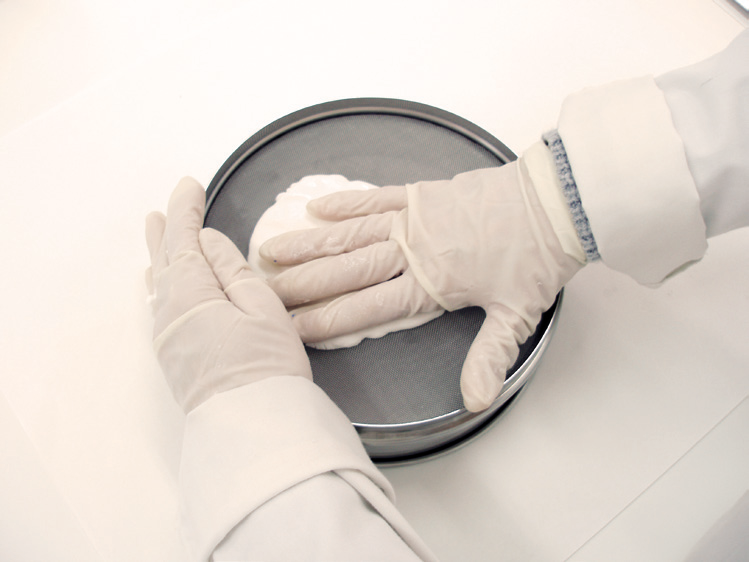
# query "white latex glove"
(217, 326)
(480, 239)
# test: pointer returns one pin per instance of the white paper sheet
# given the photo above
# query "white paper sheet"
(630, 381)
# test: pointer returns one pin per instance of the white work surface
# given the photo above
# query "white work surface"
(631, 441)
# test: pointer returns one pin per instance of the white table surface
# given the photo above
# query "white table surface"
(628, 444)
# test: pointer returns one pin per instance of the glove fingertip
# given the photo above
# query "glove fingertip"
(303, 324)
(344, 204)
(210, 237)
(188, 184)
(314, 325)
(492, 353)
(268, 250)
(325, 208)
(225, 259)
(211, 243)
(481, 389)
(155, 217)
(357, 203)
(289, 248)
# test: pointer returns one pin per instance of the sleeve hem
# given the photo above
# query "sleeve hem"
(634, 182)
(245, 446)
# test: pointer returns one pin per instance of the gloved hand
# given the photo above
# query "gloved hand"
(217, 326)
(480, 239)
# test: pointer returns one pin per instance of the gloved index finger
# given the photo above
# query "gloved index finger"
(348, 204)
(184, 218)
(336, 275)
(301, 246)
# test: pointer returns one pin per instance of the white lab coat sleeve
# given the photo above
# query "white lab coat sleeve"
(275, 471)
(662, 164)
(709, 103)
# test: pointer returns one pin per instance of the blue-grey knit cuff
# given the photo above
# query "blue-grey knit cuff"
(571, 194)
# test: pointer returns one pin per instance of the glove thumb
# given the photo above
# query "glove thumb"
(493, 352)
(231, 269)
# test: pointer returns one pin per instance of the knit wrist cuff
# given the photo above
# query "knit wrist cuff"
(571, 194)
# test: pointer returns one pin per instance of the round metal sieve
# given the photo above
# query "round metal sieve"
(401, 391)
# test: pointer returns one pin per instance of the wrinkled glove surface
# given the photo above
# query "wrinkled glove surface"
(216, 325)
(480, 239)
